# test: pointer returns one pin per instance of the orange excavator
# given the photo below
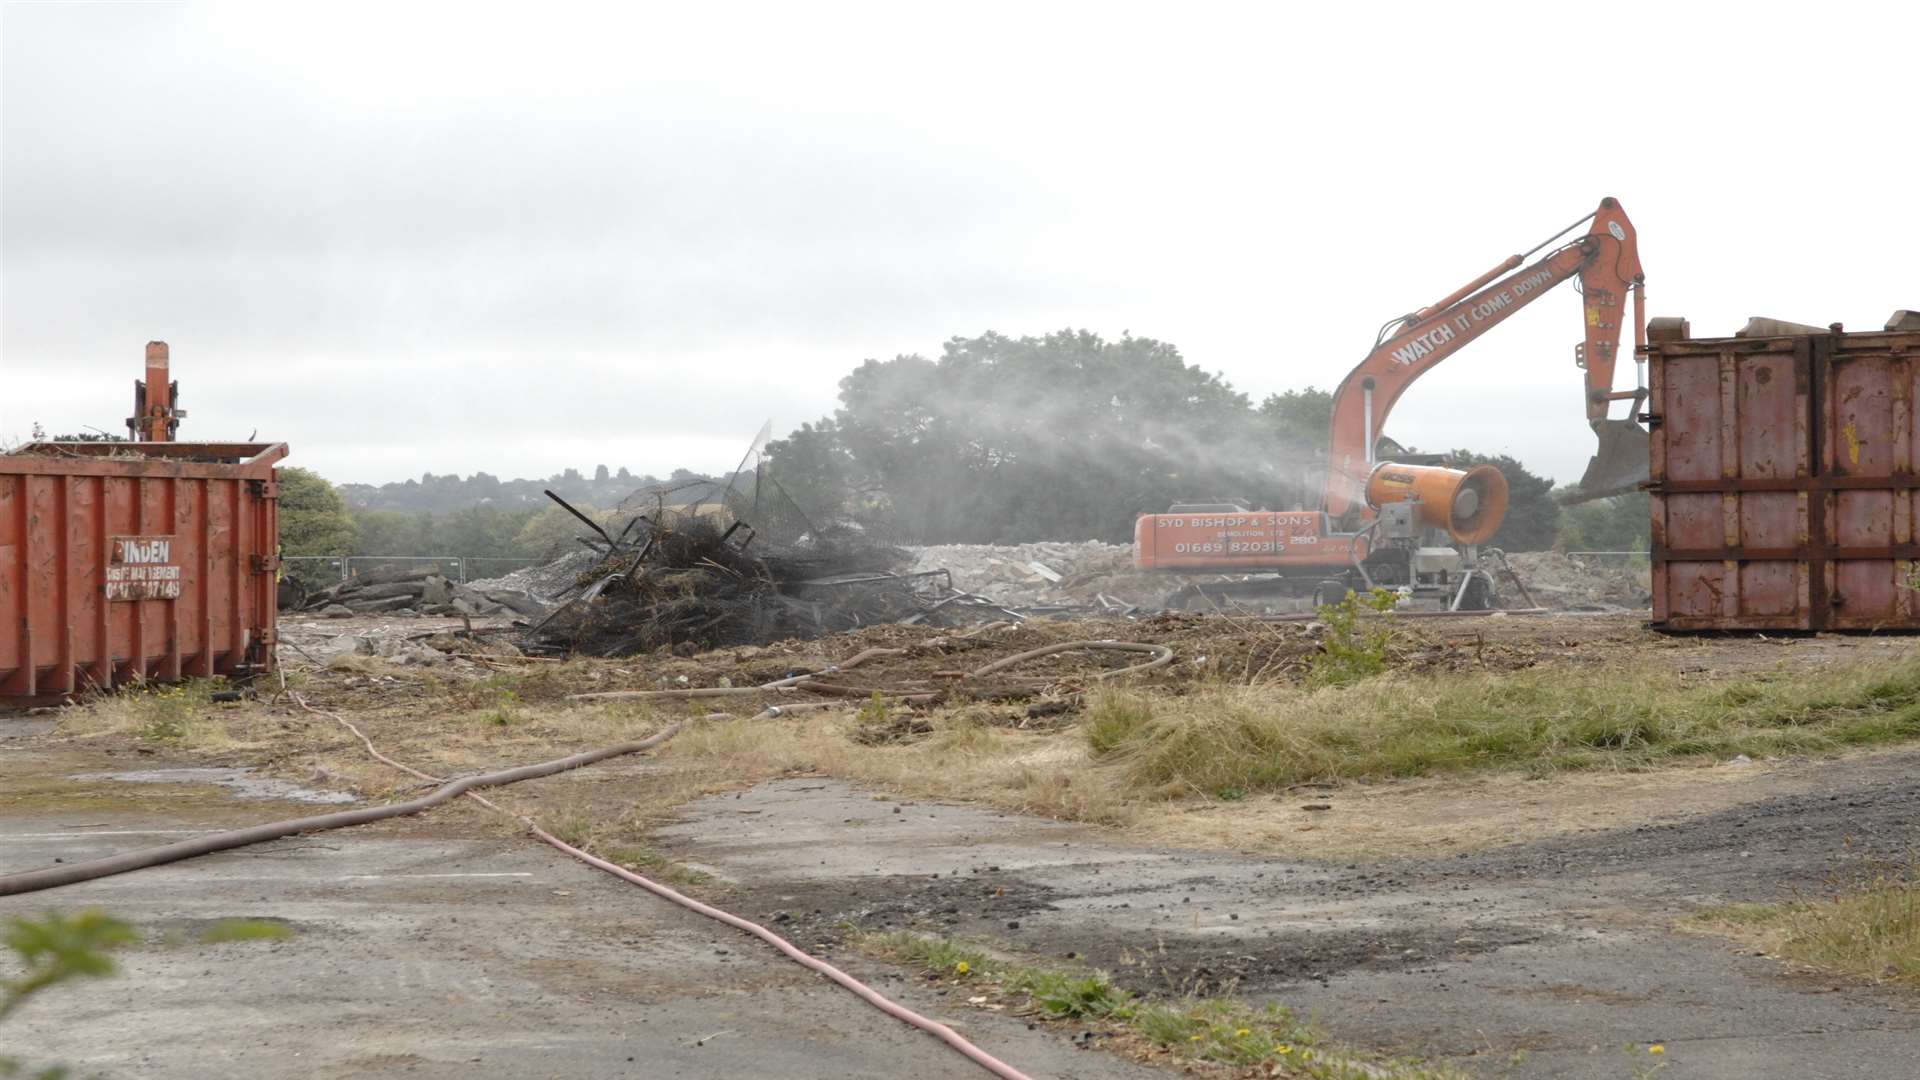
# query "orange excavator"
(1405, 521)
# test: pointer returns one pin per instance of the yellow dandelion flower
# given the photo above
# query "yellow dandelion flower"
(1284, 1048)
(962, 967)
(1196, 1038)
(1242, 1033)
(1656, 1048)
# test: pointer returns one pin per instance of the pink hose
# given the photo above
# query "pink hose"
(866, 993)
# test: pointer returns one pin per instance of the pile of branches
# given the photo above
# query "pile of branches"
(692, 583)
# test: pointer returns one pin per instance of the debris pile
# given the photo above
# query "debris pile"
(419, 592)
(1566, 584)
(686, 584)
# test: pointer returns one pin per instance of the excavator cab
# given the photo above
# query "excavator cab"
(1621, 464)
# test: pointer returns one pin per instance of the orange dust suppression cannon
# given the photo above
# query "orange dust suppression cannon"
(1468, 505)
(154, 418)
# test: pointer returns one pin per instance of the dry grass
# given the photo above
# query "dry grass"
(182, 715)
(1134, 751)
(1870, 931)
(963, 758)
(1226, 741)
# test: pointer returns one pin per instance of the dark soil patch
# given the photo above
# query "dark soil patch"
(1177, 964)
(976, 903)
(995, 906)
(1795, 843)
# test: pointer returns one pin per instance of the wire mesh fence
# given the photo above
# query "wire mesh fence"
(1613, 558)
(318, 571)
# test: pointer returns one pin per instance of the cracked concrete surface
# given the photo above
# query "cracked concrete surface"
(1551, 959)
(428, 955)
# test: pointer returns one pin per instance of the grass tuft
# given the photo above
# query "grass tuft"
(1871, 931)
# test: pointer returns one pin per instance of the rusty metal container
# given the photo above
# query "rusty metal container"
(129, 562)
(1783, 479)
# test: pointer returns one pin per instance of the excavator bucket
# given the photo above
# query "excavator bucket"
(1621, 465)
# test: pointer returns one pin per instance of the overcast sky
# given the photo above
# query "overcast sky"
(412, 237)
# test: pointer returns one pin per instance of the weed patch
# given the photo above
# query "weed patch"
(1220, 1030)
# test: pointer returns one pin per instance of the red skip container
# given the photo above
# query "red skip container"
(135, 561)
(1784, 473)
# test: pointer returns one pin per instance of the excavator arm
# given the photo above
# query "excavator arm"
(1606, 260)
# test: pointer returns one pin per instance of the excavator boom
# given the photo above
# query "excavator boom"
(1606, 260)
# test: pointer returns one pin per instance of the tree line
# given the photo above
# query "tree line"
(1070, 436)
(997, 440)
(316, 520)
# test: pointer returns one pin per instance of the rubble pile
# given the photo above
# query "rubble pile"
(419, 592)
(1565, 584)
(548, 582)
(1054, 574)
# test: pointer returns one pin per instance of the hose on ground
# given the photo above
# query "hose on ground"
(787, 683)
(793, 952)
(53, 877)
(1162, 656)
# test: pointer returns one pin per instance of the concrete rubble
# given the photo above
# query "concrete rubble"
(548, 582)
(1566, 584)
(1101, 576)
(1084, 574)
(422, 592)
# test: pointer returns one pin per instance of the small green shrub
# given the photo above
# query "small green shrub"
(875, 711)
(1349, 652)
(505, 711)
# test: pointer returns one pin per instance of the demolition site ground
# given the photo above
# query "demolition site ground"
(1530, 846)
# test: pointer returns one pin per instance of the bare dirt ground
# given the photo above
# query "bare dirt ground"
(1515, 925)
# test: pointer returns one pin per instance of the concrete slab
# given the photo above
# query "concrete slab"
(431, 957)
(1556, 960)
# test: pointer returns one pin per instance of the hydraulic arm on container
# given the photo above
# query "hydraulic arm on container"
(154, 418)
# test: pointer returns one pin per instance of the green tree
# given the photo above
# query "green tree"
(1533, 516)
(1010, 439)
(1302, 418)
(484, 530)
(1621, 523)
(552, 532)
(818, 473)
(313, 519)
(392, 532)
